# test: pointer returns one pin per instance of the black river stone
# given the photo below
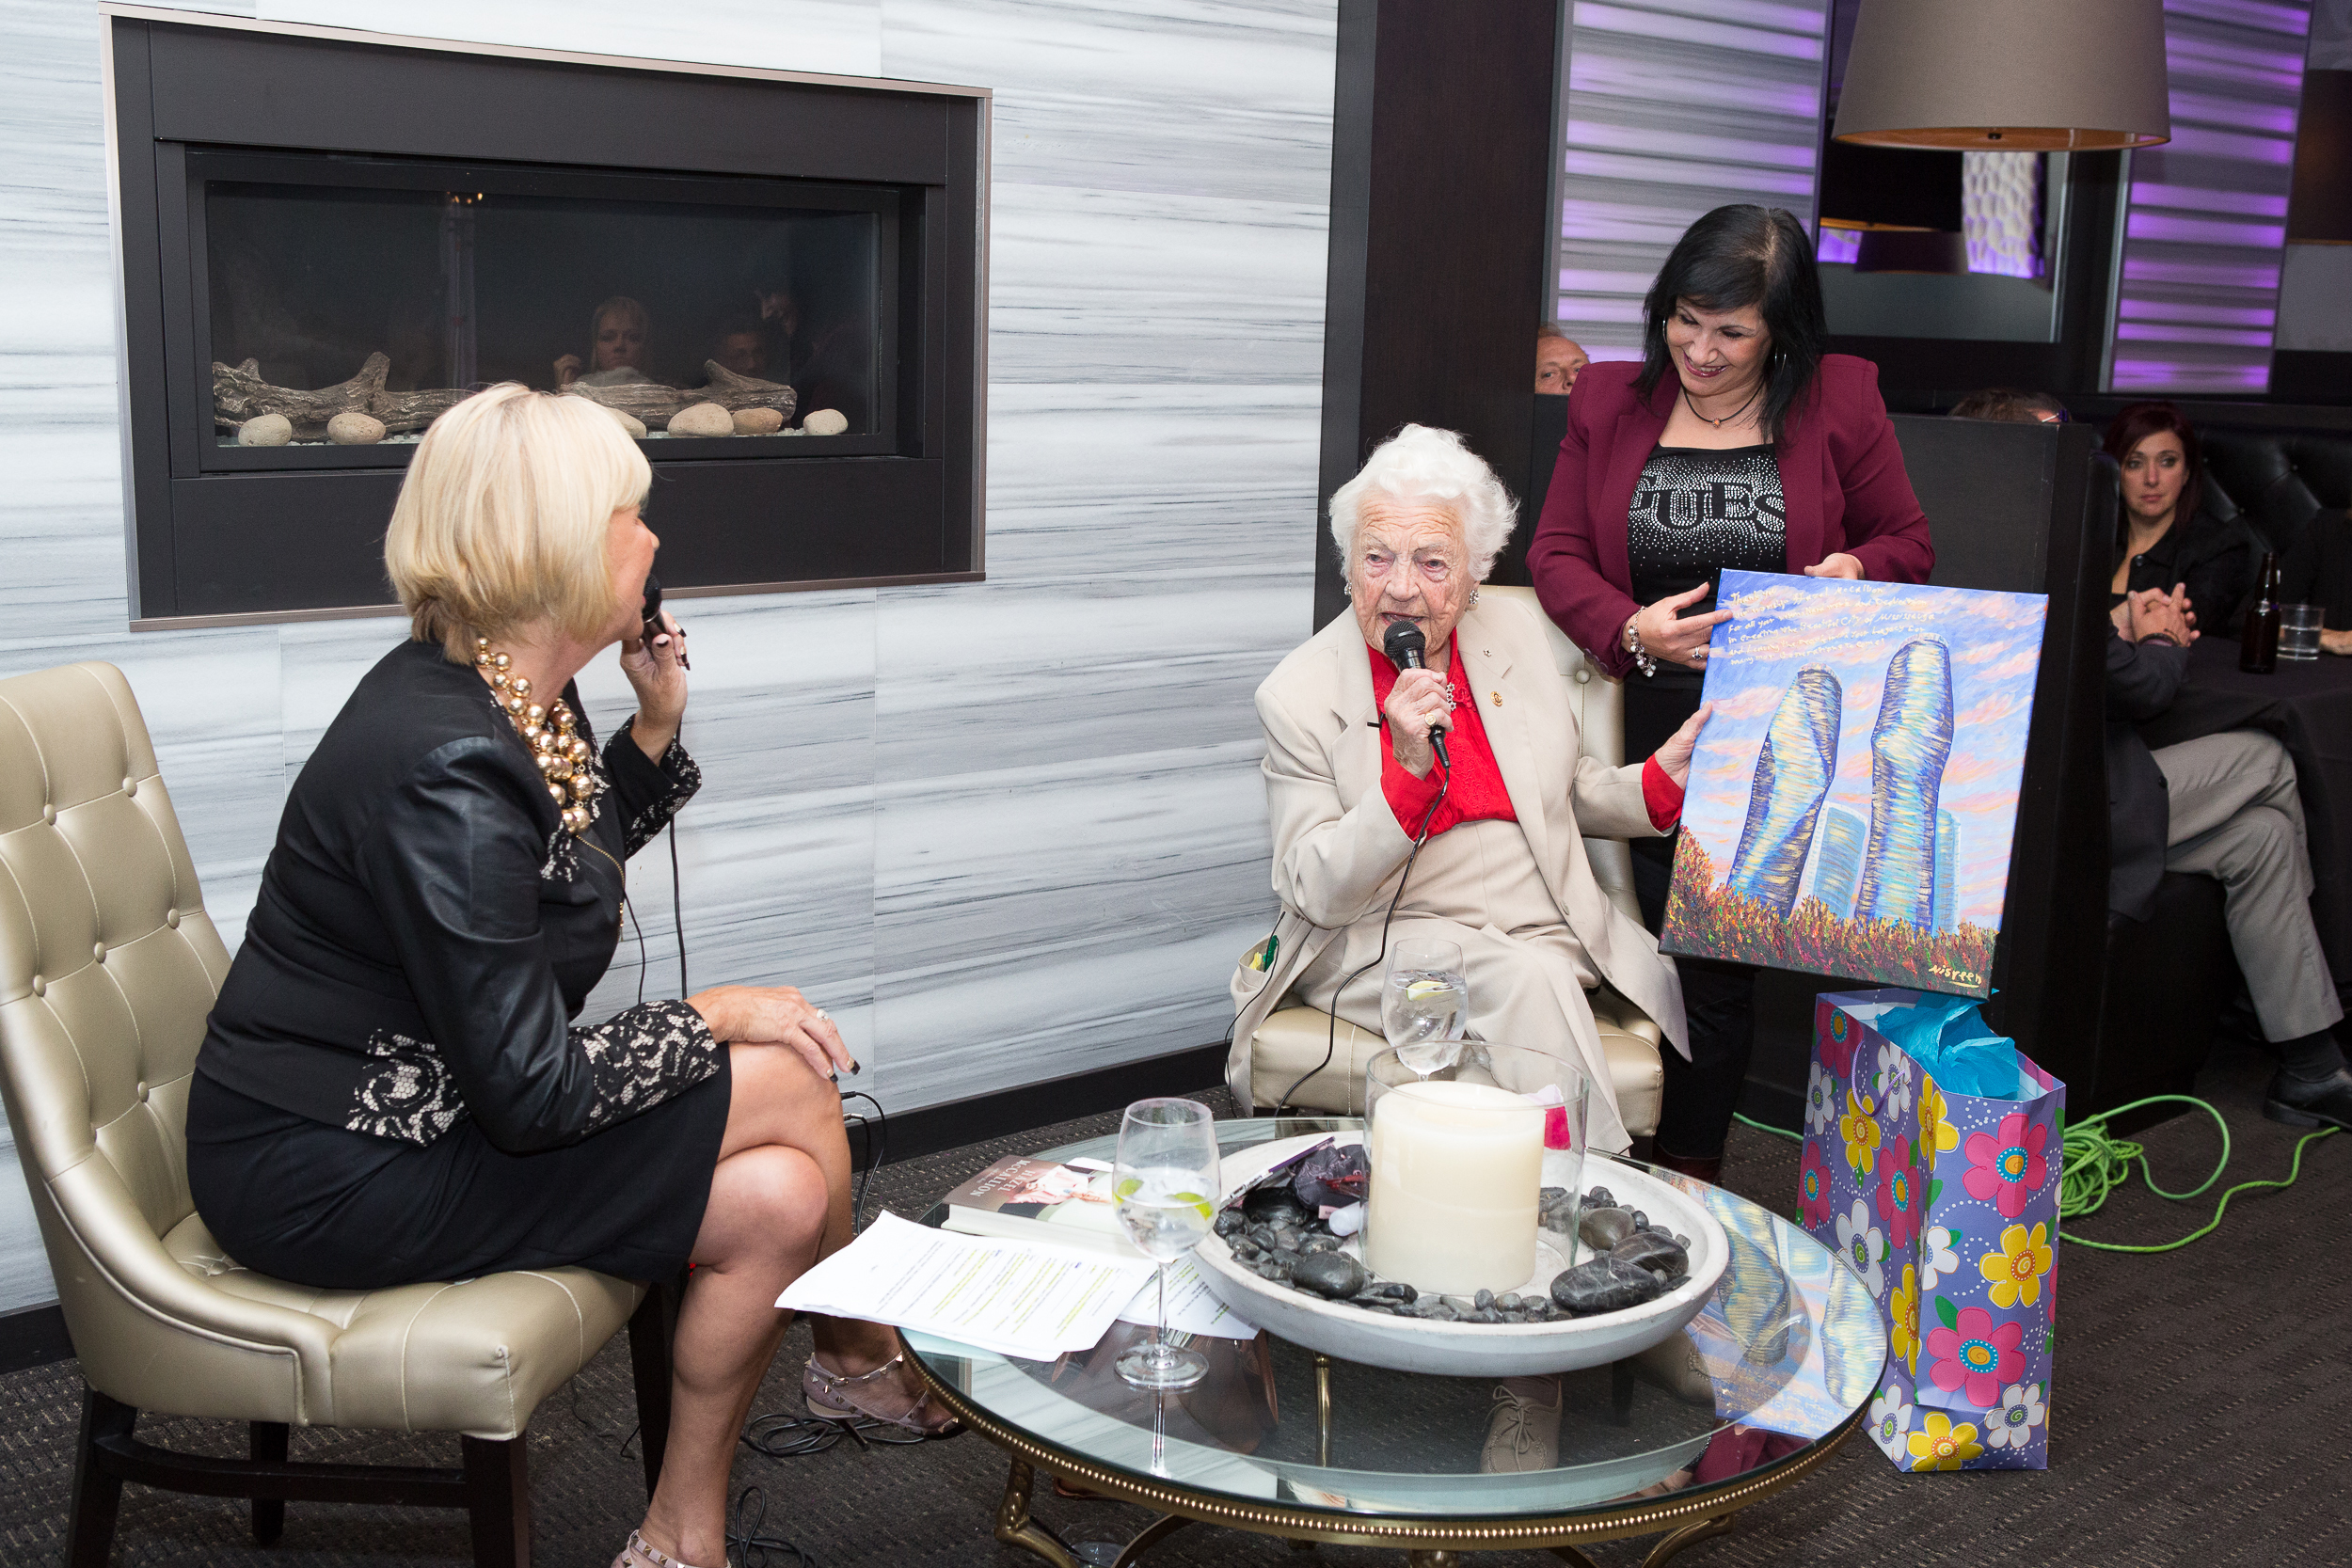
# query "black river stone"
(1276, 1206)
(1604, 1228)
(1334, 1274)
(1646, 1249)
(1605, 1285)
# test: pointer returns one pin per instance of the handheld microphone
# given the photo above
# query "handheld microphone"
(652, 627)
(1403, 643)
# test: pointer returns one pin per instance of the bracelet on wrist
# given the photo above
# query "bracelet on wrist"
(1644, 659)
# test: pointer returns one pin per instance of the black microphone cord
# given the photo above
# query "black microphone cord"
(1331, 1046)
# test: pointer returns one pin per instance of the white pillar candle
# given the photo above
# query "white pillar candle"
(1456, 1172)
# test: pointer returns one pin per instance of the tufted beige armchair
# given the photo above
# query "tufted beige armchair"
(108, 966)
(1292, 1039)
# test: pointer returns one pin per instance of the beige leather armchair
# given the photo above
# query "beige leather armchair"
(1292, 1039)
(108, 966)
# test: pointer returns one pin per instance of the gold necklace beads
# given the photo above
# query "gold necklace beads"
(561, 755)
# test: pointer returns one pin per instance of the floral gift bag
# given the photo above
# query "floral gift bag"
(1945, 1203)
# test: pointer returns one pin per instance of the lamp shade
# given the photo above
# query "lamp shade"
(2007, 75)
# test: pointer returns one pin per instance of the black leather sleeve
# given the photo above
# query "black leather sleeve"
(647, 794)
(453, 863)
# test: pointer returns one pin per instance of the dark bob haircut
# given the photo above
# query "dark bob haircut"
(1733, 258)
(2134, 424)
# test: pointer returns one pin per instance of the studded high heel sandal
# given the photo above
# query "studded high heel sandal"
(637, 1554)
(836, 1397)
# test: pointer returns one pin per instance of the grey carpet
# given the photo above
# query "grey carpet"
(2198, 1418)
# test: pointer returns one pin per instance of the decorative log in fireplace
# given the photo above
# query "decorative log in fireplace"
(240, 394)
(296, 201)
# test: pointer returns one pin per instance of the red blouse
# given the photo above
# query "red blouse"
(1477, 794)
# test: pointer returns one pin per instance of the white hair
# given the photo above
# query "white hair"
(1419, 463)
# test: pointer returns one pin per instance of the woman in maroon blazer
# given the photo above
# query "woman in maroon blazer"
(1735, 443)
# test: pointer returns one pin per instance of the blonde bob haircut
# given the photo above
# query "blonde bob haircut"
(504, 516)
(1422, 463)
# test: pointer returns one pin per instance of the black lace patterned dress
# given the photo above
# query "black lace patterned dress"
(392, 1088)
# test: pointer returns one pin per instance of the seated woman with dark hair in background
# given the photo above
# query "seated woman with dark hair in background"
(2164, 537)
(2318, 570)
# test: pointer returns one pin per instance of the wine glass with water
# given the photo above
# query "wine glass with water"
(1165, 1181)
(1424, 1003)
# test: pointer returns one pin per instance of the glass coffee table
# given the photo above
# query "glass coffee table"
(1283, 1441)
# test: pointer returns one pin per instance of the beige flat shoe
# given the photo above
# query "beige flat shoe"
(1523, 1433)
(637, 1554)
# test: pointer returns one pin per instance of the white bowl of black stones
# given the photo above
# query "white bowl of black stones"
(1618, 1268)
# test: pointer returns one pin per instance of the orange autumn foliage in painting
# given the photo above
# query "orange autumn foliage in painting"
(1705, 918)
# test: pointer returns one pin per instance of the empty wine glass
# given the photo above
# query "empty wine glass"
(1424, 1003)
(1165, 1181)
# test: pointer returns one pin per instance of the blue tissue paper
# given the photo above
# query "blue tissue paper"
(1948, 1037)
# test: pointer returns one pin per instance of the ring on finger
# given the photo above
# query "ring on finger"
(821, 1013)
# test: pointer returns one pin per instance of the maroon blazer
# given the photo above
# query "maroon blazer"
(1841, 475)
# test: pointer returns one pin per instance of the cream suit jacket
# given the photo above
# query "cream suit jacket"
(1338, 849)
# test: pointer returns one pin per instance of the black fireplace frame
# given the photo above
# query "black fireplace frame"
(220, 536)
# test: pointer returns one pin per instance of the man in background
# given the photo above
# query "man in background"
(1558, 360)
(2222, 806)
(2011, 405)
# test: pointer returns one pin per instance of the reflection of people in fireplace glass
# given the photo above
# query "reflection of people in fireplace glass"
(742, 347)
(617, 332)
(817, 353)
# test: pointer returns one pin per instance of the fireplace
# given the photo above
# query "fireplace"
(772, 282)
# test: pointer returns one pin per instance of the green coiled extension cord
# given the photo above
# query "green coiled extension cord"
(2096, 1164)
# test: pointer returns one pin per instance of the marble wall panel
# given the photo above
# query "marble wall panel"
(1121, 286)
(838, 37)
(319, 664)
(1037, 920)
(1186, 97)
(1139, 484)
(62, 511)
(972, 683)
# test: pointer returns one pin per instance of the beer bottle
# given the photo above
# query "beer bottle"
(2258, 647)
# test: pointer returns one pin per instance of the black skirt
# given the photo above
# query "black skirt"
(325, 1207)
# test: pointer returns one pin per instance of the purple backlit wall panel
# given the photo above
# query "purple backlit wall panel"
(1675, 107)
(2206, 229)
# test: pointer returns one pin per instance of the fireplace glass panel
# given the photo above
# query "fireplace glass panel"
(629, 302)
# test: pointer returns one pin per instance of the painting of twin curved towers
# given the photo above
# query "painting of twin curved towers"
(1851, 808)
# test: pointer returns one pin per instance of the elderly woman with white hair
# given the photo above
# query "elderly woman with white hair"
(1354, 784)
(391, 1089)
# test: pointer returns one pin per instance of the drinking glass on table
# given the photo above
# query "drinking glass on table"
(1424, 1003)
(1165, 1181)
(2298, 630)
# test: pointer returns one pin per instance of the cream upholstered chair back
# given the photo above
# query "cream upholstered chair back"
(108, 966)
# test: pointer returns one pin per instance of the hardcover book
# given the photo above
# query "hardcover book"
(1029, 1199)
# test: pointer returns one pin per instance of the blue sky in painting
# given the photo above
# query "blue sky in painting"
(1781, 624)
